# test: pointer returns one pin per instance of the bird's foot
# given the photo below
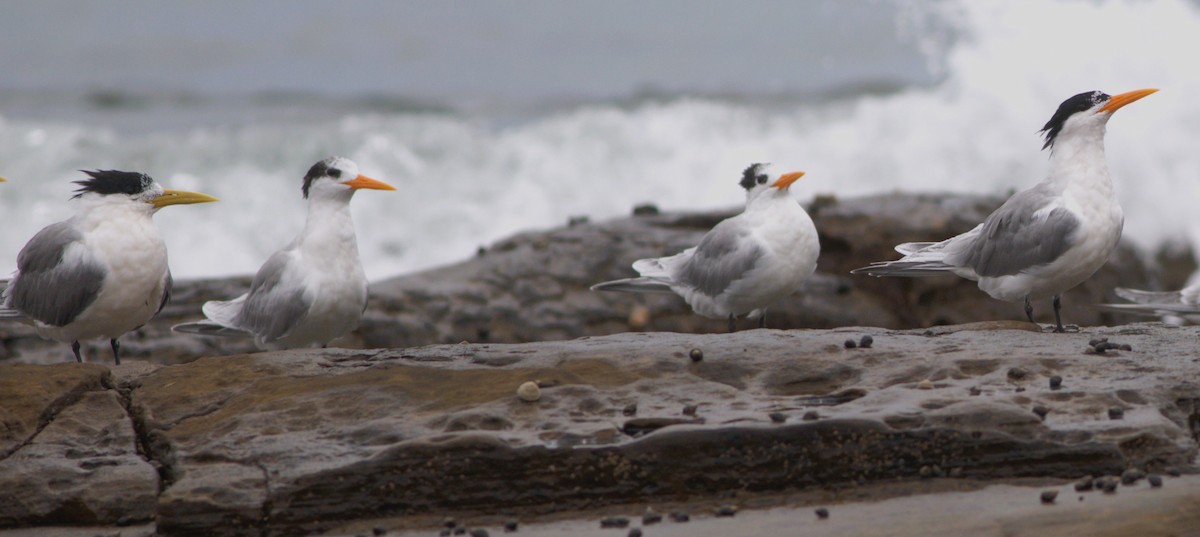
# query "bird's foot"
(1065, 329)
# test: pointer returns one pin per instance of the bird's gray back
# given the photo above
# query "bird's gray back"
(272, 309)
(45, 288)
(723, 256)
(1014, 238)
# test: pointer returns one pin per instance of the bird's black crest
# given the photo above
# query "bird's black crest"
(1069, 107)
(106, 182)
(752, 176)
(317, 171)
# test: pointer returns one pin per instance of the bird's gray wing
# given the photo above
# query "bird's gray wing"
(168, 282)
(274, 305)
(1018, 236)
(48, 289)
(723, 256)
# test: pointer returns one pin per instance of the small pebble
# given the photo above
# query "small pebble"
(1016, 373)
(511, 525)
(614, 522)
(378, 531)
(1084, 484)
(1174, 471)
(1116, 413)
(635, 532)
(630, 409)
(449, 522)
(1094, 342)
(811, 415)
(479, 532)
(1041, 411)
(1155, 480)
(1125, 347)
(777, 417)
(866, 341)
(975, 390)
(1048, 496)
(1131, 476)
(696, 355)
(444, 533)
(925, 472)
(850, 344)
(529, 392)
(460, 530)
(651, 518)
(822, 513)
(925, 385)
(680, 516)
(689, 410)
(1055, 382)
(1110, 483)
(726, 511)
(1019, 389)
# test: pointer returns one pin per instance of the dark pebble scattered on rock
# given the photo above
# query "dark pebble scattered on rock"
(1125, 347)
(1019, 389)
(811, 415)
(635, 532)
(680, 516)
(1041, 411)
(1131, 476)
(449, 522)
(866, 341)
(850, 344)
(651, 518)
(1055, 382)
(975, 390)
(444, 533)
(689, 410)
(460, 530)
(1116, 413)
(1016, 373)
(822, 512)
(1048, 496)
(479, 532)
(1094, 342)
(511, 525)
(1084, 484)
(1109, 484)
(630, 409)
(614, 522)
(726, 511)
(378, 531)
(1174, 472)
(777, 417)
(696, 355)
(1155, 480)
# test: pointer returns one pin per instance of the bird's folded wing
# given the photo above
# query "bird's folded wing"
(723, 257)
(1026, 232)
(277, 301)
(57, 276)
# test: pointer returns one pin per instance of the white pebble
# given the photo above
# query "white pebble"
(925, 385)
(529, 392)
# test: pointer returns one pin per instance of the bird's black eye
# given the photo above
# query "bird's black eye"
(335, 173)
(762, 179)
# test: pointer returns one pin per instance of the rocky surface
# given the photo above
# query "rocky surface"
(534, 286)
(289, 443)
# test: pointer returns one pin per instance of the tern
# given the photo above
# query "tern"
(746, 263)
(101, 273)
(312, 291)
(1049, 238)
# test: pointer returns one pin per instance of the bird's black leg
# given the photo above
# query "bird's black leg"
(116, 347)
(1058, 328)
(75, 349)
(762, 320)
(1029, 310)
(732, 326)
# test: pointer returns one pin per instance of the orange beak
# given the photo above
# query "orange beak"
(363, 181)
(787, 179)
(1117, 101)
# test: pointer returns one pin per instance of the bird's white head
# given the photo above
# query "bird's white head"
(136, 189)
(1087, 112)
(756, 179)
(337, 177)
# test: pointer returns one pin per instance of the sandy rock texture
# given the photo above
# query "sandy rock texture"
(289, 443)
(534, 286)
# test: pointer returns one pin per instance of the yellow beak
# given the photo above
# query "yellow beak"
(180, 197)
(787, 179)
(1117, 101)
(363, 181)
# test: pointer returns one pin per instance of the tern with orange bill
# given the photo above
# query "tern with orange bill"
(1049, 238)
(312, 291)
(101, 273)
(746, 263)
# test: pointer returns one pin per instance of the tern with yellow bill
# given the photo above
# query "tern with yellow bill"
(745, 263)
(101, 273)
(312, 291)
(1049, 238)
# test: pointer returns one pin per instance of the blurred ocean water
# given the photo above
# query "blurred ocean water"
(497, 117)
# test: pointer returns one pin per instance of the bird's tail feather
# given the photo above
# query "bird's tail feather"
(1149, 297)
(903, 268)
(209, 328)
(910, 248)
(634, 285)
(1151, 303)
